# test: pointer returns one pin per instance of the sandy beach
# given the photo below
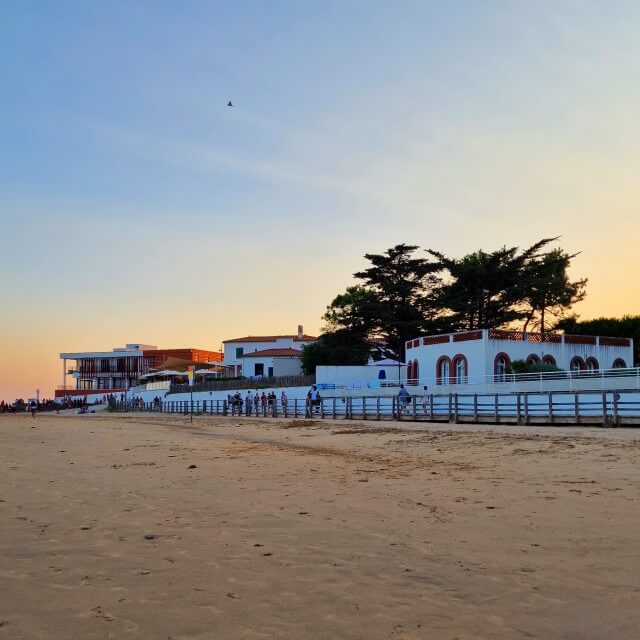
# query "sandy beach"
(327, 530)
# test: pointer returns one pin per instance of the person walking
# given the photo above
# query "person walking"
(248, 402)
(424, 399)
(284, 402)
(256, 403)
(32, 407)
(313, 399)
(403, 399)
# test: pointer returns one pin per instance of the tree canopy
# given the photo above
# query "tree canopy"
(402, 294)
(625, 327)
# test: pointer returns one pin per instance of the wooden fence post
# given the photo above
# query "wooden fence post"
(496, 406)
(550, 408)
(475, 407)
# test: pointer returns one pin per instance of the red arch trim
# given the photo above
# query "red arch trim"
(579, 361)
(452, 369)
(439, 363)
(593, 362)
(500, 355)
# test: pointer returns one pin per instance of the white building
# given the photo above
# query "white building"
(267, 356)
(105, 370)
(486, 354)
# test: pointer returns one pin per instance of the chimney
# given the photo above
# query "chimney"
(300, 332)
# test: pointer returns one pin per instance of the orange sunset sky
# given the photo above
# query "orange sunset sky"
(135, 206)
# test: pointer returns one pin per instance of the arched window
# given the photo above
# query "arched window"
(533, 359)
(549, 360)
(501, 366)
(443, 370)
(416, 372)
(577, 364)
(619, 363)
(412, 372)
(460, 369)
(592, 364)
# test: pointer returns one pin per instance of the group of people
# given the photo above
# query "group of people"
(20, 405)
(404, 399)
(257, 403)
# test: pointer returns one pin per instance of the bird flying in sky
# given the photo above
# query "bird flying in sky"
(229, 104)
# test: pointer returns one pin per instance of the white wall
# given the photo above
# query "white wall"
(330, 374)
(481, 354)
(251, 347)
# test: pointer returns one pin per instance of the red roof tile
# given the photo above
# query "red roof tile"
(274, 353)
(305, 338)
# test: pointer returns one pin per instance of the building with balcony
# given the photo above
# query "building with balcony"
(102, 372)
(487, 354)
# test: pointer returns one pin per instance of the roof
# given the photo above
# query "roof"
(294, 337)
(274, 353)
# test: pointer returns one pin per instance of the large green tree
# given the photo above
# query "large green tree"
(394, 302)
(491, 289)
(548, 293)
(334, 348)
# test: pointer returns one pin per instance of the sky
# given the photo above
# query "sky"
(135, 206)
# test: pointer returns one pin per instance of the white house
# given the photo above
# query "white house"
(266, 355)
(487, 354)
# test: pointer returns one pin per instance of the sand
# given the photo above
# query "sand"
(294, 529)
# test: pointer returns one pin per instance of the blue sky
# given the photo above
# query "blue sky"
(139, 207)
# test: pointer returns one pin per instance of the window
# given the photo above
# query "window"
(592, 364)
(239, 352)
(501, 366)
(460, 369)
(619, 363)
(259, 369)
(549, 360)
(270, 372)
(443, 370)
(577, 364)
(533, 359)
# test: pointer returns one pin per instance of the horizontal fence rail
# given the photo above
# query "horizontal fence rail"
(607, 408)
